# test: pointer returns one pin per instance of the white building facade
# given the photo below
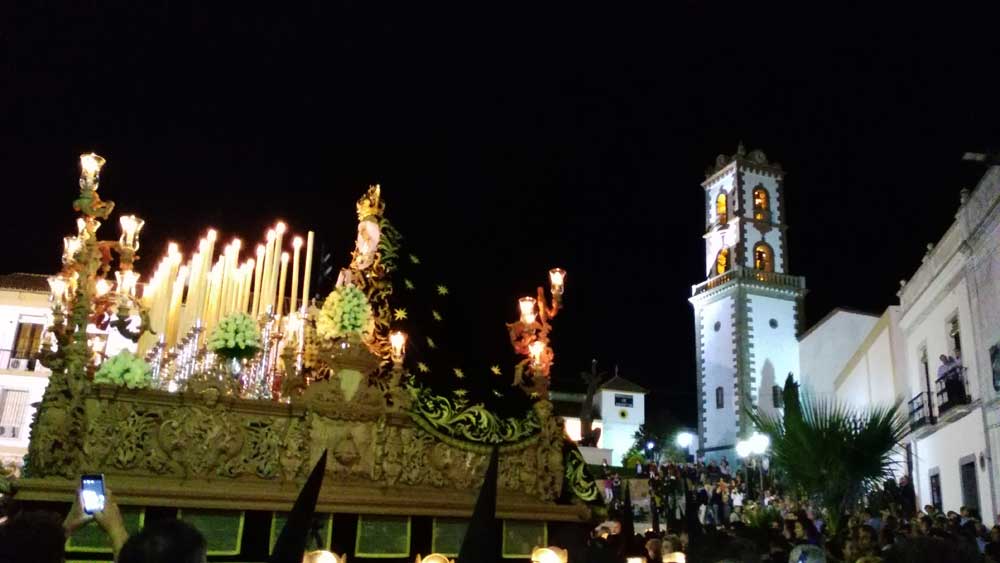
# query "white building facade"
(24, 315)
(747, 310)
(938, 353)
(619, 412)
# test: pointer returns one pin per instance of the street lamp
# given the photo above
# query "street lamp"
(650, 445)
(755, 447)
(685, 439)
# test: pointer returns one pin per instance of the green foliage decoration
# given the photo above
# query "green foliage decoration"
(125, 368)
(345, 313)
(235, 337)
(831, 452)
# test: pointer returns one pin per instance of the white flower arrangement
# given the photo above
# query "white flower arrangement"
(236, 336)
(345, 313)
(126, 369)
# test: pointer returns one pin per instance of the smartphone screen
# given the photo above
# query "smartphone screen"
(92, 493)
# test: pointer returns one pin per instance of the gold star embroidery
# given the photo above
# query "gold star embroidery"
(460, 392)
(459, 373)
(437, 316)
(495, 370)
(399, 314)
(414, 259)
(423, 367)
(408, 284)
(534, 395)
(497, 393)
(442, 290)
(431, 344)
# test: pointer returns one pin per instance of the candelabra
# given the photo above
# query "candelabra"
(81, 293)
(529, 335)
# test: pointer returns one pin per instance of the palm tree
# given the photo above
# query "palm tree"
(832, 452)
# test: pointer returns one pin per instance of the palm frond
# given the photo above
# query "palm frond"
(832, 451)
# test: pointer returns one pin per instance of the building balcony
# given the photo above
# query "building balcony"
(12, 361)
(952, 390)
(771, 279)
(920, 412)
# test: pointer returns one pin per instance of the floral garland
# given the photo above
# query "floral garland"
(346, 312)
(236, 337)
(125, 369)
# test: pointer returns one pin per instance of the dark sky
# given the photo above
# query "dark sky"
(507, 140)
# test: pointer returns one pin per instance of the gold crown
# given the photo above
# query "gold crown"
(370, 204)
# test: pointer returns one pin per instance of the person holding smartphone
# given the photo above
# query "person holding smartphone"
(94, 501)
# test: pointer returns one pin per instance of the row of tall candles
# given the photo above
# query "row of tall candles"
(180, 294)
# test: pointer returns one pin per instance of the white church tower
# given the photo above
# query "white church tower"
(747, 311)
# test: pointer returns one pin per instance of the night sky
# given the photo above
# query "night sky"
(507, 140)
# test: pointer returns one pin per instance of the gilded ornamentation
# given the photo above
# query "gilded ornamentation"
(581, 484)
(469, 426)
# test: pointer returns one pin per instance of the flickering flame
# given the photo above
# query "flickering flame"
(102, 287)
(211, 236)
(91, 164)
(71, 245)
(284, 257)
(58, 285)
(260, 252)
(557, 276)
(127, 281)
(548, 555)
(536, 349)
(271, 235)
(131, 225)
(527, 307)
(397, 340)
(297, 243)
(280, 227)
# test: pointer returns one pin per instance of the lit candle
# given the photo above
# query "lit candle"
(397, 340)
(265, 297)
(279, 230)
(248, 275)
(258, 270)
(281, 286)
(296, 246)
(307, 277)
(214, 290)
(173, 318)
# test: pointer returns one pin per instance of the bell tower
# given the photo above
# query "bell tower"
(747, 310)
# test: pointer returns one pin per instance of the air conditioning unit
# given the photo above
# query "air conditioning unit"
(15, 363)
(8, 431)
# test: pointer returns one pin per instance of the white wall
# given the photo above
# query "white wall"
(926, 324)
(876, 373)
(718, 369)
(16, 307)
(620, 423)
(12, 450)
(775, 351)
(827, 347)
(942, 450)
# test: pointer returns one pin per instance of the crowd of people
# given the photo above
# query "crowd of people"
(40, 536)
(711, 512)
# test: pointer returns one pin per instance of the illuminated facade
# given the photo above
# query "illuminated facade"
(747, 310)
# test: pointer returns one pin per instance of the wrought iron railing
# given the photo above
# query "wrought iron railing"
(740, 273)
(952, 389)
(12, 360)
(920, 411)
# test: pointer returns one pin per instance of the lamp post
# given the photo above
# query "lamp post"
(752, 449)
